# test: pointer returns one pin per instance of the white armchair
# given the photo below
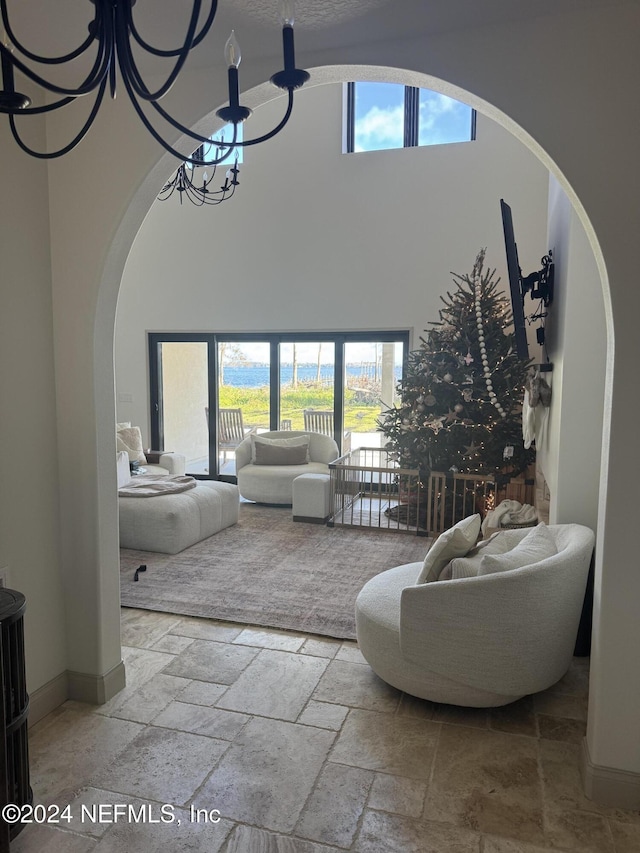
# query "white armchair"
(273, 484)
(129, 440)
(159, 462)
(479, 641)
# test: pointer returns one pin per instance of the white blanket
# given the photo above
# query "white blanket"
(509, 512)
(152, 485)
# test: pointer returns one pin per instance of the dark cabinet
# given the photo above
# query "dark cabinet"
(14, 709)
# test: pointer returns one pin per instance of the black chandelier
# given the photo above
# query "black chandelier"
(112, 36)
(185, 185)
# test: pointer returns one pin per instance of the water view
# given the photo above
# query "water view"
(257, 375)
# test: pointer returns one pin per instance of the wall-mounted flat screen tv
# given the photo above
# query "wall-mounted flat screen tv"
(515, 279)
(538, 284)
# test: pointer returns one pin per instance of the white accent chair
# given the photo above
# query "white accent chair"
(480, 641)
(129, 440)
(273, 484)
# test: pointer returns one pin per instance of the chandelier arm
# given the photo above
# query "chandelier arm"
(223, 195)
(50, 155)
(223, 146)
(129, 68)
(168, 190)
(223, 149)
(45, 108)
(198, 37)
(45, 60)
(276, 129)
(194, 161)
(213, 198)
(92, 81)
(221, 154)
(143, 118)
(234, 143)
(194, 197)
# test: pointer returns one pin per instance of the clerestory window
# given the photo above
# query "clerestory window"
(389, 115)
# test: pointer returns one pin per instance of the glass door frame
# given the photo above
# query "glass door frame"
(274, 339)
(156, 410)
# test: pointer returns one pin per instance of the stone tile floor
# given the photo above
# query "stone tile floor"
(302, 749)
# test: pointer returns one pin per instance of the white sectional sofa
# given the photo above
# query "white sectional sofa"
(169, 523)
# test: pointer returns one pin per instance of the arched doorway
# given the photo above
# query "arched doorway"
(128, 228)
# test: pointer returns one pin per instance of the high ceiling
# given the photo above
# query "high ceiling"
(59, 26)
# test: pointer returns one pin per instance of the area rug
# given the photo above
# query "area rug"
(268, 570)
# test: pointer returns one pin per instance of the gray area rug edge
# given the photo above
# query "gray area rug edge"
(269, 571)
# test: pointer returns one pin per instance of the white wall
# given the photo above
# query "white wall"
(29, 532)
(319, 240)
(576, 345)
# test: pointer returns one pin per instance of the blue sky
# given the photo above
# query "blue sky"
(380, 111)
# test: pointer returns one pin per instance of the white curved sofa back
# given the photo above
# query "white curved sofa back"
(515, 630)
(322, 448)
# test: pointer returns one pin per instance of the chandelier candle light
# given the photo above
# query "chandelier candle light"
(112, 36)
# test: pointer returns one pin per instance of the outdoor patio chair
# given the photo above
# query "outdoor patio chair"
(316, 420)
(231, 429)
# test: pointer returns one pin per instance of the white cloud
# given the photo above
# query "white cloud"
(380, 128)
(441, 118)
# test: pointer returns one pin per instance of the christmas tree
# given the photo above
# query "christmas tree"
(461, 395)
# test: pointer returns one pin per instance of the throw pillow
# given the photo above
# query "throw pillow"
(455, 542)
(130, 440)
(280, 451)
(537, 545)
(461, 567)
(469, 565)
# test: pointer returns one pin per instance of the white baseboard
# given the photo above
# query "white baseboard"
(608, 786)
(96, 689)
(48, 697)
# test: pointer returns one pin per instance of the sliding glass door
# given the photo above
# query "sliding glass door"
(307, 374)
(183, 401)
(243, 394)
(371, 372)
(208, 391)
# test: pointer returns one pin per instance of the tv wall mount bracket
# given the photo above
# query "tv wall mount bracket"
(539, 285)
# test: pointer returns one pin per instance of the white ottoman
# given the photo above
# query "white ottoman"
(312, 498)
(170, 523)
